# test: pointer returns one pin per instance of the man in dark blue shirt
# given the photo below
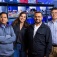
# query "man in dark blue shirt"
(39, 38)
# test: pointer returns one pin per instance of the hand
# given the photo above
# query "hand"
(27, 51)
(8, 36)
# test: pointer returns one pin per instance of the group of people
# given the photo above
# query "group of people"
(23, 40)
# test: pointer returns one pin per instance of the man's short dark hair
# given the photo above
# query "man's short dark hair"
(38, 12)
(4, 13)
(33, 10)
(53, 9)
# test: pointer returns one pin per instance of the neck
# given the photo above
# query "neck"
(4, 23)
(54, 20)
(22, 23)
(37, 24)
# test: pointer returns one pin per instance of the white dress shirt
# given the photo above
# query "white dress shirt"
(35, 29)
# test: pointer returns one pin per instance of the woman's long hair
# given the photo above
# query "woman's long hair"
(17, 21)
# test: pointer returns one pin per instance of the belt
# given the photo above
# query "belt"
(54, 45)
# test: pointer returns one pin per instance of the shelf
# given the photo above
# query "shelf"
(23, 4)
(12, 17)
(28, 4)
(3, 4)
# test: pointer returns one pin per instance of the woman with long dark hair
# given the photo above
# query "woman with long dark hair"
(20, 26)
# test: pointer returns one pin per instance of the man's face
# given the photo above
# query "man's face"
(54, 14)
(38, 17)
(4, 18)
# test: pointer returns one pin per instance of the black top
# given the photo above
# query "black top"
(20, 34)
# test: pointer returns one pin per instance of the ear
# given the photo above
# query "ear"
(42, 17)
(7, 20)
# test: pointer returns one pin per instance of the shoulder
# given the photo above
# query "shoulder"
(9, 27)
(49, 22)
(46, 26)
(31, 26)
(15, 26)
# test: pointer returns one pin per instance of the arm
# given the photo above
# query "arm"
(2, 38)
(11, 37)
(48, 42)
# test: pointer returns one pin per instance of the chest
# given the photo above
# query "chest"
(18, 31)
(5, 31)
(53, 27)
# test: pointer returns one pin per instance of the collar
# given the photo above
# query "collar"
(37, 26)
(54, 21)
(42, 25)
(3, 26)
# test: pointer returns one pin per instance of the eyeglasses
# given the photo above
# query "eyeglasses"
(54, 13)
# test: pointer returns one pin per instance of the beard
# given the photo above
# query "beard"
(38, 22)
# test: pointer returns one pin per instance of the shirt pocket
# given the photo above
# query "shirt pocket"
(41, 33)
(40, 36)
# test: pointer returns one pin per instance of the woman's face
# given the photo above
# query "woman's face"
(22, 18)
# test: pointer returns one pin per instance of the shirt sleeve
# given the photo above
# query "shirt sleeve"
(9, 39)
